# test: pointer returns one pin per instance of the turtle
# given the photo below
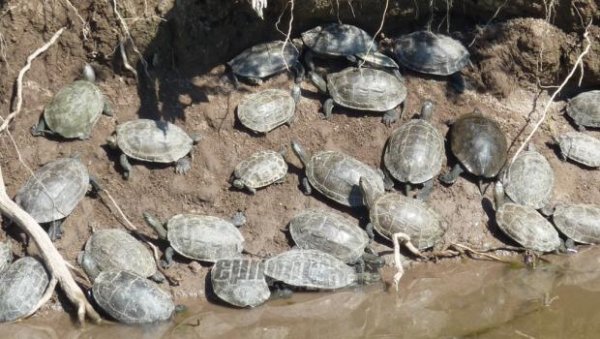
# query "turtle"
(261, 169)
(115, 249)
(6, 255)
(22, 286)
(131, 299)
(74, 110)
(314, 269)
(266, 110)
(529, 180)
(266, 59)
(524, 224)
(579, 147)
(431, 53)
(364, 89)
(240, 282)
(54, 191)
(579, 222)
(415, 152)
(335, 175)
(199, 237)
(335, 40)
(153, 141)
(479, 145)
(584, 109)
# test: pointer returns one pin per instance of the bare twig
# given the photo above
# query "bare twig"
(490, 20)
(289, 33)
(85, 30)
(128, 37)
(385, 9)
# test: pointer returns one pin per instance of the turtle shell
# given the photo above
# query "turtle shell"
(6, 255)
(22, 286)
(431, 53)
(263, 60)
(131, 299)
(74, 110)
(336, 176)
(584, 109)
(310, 268)
(414, 152)
(261, 169)
(240, 282)
(153, 140)
(204, 237)
(338, 40)
(266, 110)
(529, 180)
(579, 222)
(55, 190)
(392, 213)
(527, 227)
(479, 144)
(366, 89)
(330, 233)
(116, 250)
(581, 148)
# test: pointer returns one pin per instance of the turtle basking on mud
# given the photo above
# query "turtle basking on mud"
(54, 191)
(579, 222)
(153, 141)
(266, 110)
(584, 109)
(22, 286)
(199, 237)
(261, 169)
(74, 110)
(240, 282)
(579, 147)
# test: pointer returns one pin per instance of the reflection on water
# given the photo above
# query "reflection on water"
(469, 299)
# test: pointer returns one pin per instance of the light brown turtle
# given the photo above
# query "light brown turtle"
(260, 169)
(584, 109)
(266, 110)
(579, 222)
(580, 147)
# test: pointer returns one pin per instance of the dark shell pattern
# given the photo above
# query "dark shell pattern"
(240, 282)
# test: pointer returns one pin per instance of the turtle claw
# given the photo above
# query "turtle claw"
(183, 165)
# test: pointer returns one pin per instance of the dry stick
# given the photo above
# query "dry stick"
(490, 20)
(128, 37)
(86, 27)
(19, 94)
(289, 32)
(562, 85)
(385, 9)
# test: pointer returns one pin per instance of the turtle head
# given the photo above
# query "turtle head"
(111, 141)
(237, 183)
(366, 187)
(298, 43)
(196, 137)
(300, 152)
(158, 226)
(427, 110)
(88, 73)
(499, 194)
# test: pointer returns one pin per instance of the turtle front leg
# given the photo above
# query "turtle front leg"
(390, 117)
(107, 109)
(426, 191)
(55, 229)
(369, 230)
(168, 260)
(95, 186)
(407, 188)
(450, 177)
(183, 165)
(306, 188)
(126, 166)
(328, 108)
(40, 128)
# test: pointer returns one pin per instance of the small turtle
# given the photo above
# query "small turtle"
(74, 110)
(131, 299)
(199, 237)
(22, 286)
(430, 53)
(153, 141)
(240, 282)
(364, 89)
(117, 250)
(524, 224)
(480, 146)
(314, 269)
(261, 169)
(54, 191)
(335, 40)
(266, 59)
(529, 180)
(584, 109)
(268, 109)
(580, 148)
(6, 255)
(579, 222)
(415, 152)
(336, 175)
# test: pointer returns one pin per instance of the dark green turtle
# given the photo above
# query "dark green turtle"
(240, 282)
(22, 286)
(584, 109)
(74, 110)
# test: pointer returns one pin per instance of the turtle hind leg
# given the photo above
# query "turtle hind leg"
(183, 165)
(40, 128)
(55, 229)
(306, 188)
(168, 258)
(126, 166)
(107, 109)
(426, 190)
(450, 177)
(390, 117)
(328, 108)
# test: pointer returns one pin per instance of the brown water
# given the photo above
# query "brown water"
(468, 299)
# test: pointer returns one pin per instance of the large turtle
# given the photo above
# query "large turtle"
(114, 249)
(22, 286)
(268, 109)
(74, 110)
(524, 224)
(199, 237)
(584, 109)
(364, 89)
(54, 191)
(6, 255)
(265, 59)
(579, 147)
(261, 169)
(131, 299)
(415, 152)
(479, 145)
(336, 175)
(579, 222)
(430, 53)
(153, 141)
(240, 282)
